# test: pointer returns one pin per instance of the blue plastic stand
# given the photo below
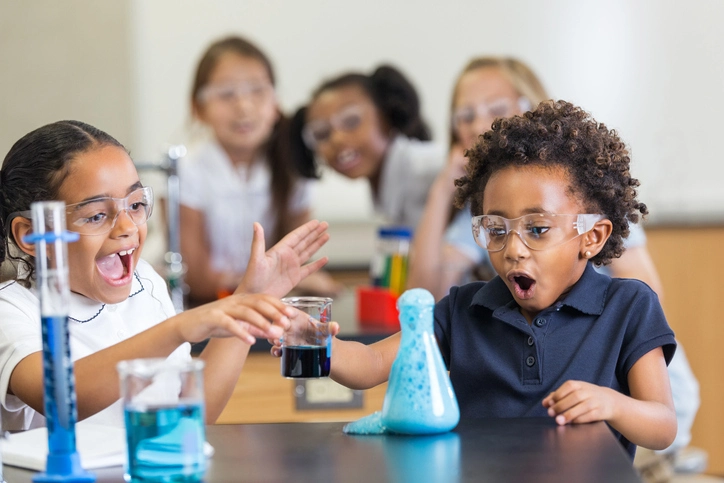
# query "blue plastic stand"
(63, 463)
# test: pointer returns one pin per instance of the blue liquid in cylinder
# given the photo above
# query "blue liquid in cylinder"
(166, 444)
(59, 383)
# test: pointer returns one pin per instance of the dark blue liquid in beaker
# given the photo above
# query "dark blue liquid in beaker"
(305, 361)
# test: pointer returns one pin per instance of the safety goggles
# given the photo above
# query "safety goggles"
(254, 91)
(320, 131)
(501, 107)
(538, 231)
(98, 216)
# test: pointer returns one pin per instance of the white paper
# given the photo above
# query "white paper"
(98, 446)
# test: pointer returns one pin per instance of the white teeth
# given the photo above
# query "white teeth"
(125, 252)
(347, 156)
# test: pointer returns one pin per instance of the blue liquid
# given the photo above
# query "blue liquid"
(420, 397)
(305, 361)
(59, 383)
(165, 444)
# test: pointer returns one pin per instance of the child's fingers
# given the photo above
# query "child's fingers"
(333, 328)
(583, 412)
(258, 246)
(227, 325)
(310, 268)
(300, 234)
(258, 312)
(271, 307)
(306, 250)
(563, 391)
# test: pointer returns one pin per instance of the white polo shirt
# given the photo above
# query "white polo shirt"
(232, 198)
(409, 169)
(93, 326)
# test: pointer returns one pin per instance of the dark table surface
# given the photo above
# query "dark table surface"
(491, 450)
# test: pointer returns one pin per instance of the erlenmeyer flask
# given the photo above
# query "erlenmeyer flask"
(420, 397)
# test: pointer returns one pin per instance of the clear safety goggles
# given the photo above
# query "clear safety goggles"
(256, 92)
(538, 231)
(319, 131)
(501, 107)
(98, 216)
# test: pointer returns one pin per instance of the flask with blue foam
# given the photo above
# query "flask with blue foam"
(51, 253)
(420, 398)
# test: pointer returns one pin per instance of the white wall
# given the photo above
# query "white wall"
(654, 70)
(64, 60)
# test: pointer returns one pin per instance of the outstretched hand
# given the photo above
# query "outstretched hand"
(279, 269)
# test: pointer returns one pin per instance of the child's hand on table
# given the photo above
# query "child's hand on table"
(580, 402)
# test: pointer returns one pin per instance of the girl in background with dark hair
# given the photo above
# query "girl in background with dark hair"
(241, 174)
(369, 126)
(119, 307)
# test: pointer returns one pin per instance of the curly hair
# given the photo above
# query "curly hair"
(559, 134)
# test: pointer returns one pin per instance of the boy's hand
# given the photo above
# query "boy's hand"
(245, 316)
(276, 343)
(580, 402)
(278, 270)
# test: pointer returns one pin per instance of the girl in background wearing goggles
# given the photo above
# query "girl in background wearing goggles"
(240, 174)
(369, 126)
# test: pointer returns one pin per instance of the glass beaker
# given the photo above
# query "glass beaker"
(163, 403)
(307, 345)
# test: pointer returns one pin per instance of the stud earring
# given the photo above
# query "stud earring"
(587, 254)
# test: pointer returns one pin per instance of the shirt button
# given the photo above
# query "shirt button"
(530, 361)
(540, 322)
(530, 340)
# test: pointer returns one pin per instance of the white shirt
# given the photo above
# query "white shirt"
(232, 198)
(408, 171)
(92, 325)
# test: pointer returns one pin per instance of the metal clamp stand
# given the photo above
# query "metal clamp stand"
(174, 265)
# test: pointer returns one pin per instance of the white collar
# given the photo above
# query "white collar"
(82, 309)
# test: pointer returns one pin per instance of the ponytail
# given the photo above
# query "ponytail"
(304, 160)
(397, 99)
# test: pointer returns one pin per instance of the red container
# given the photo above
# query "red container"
(377, 307)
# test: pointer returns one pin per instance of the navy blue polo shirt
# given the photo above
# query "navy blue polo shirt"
(501, 366)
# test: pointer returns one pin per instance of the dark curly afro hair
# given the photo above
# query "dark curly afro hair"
(559, 134)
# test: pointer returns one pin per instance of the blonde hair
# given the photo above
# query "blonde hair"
(520, 76)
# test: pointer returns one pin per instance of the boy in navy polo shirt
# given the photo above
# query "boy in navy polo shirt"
(549, 336)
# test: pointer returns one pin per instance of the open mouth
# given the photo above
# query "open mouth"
(243, 127)
(347, 160)
(524, 286)
(116, 268)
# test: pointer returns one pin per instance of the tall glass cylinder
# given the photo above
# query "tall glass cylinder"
(51, 265)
